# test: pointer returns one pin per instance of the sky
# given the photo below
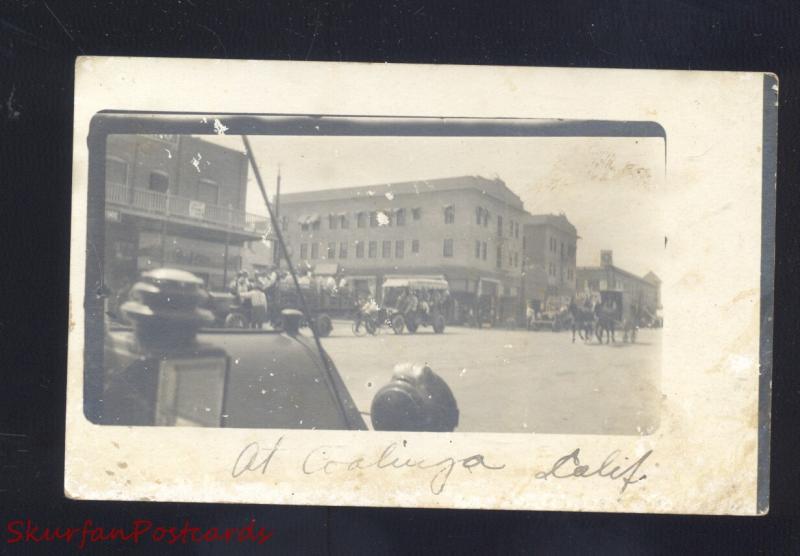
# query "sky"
(609, 188)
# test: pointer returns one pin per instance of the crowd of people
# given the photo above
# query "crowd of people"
(410, 301)
(255, 294)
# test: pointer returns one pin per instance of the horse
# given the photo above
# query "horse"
(605, 323)
(582, 321)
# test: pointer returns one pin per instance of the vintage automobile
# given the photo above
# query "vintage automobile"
(228, 312)
(168, 369)
(169, 360)
(431, 290)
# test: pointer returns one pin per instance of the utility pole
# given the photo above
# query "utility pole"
(276, 254)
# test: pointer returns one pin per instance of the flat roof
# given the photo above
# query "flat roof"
(495, 188)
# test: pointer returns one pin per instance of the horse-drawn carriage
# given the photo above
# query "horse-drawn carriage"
(602, 314)
(618, 310)
(414, 301)
(554, 315)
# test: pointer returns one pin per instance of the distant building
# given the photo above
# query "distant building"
(467, 228)
(550, 248)
(644, 290)
(175, 201)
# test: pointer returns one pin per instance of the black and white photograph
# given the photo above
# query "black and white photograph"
(396, 274)
(544, 292)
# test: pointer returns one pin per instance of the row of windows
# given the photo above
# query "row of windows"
(570, 252)
(117, 174)
(552, 270)
(482, 219)
(481, 250)
(375, 218)
(398, 217)
(370, 248)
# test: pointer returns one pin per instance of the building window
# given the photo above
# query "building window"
(448, 248)
(499, 262)
(477, 249)
(303, 251)
(449, 214)
(401, 217)
(344, 222)
(523, 242)
(399, 248)
(386, 250)
(359, 249)
(416, 213)
(333, 221)
(415, 246)
(331, 250)
(384, 218)
(499, 225)
(510, 228)
(562, 249)
(116, 171)
(516, 259)
(510, 259)
(304, 226)
(516, 230)
(361, 220)
(373, 249)
(315, 225)
(208, 192)
(343, 250)
(373, 219)
(483, 251)
(159, 182)
(314, 250)
(485, 218)
(569, 274)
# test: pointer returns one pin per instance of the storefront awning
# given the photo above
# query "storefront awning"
(326, 269)
(421, 282)
(308, 219)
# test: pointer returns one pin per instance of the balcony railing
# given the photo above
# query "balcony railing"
(169, 206)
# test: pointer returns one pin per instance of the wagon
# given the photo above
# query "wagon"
(434, 288)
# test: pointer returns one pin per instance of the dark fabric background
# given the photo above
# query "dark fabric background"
(38, 43)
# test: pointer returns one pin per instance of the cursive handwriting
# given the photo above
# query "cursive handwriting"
(570, 466)
(321, 460)
(251, 458)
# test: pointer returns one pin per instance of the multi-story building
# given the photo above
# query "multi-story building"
(645, 291)
(550, 248)
(467, 228)
(175, 201)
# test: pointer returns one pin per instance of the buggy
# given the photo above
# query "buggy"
(429, 308)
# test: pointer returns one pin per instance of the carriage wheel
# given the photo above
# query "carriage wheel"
(323, 325)
(412, 325)
(398, 324)
(235, 320)
(371, 326)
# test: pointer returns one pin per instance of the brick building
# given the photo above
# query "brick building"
(175, 201)
(550, 247)
(467, 228)
(643, 290)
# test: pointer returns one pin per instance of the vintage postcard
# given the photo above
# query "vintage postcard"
(421, 286)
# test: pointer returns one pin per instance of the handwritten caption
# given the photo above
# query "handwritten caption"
(332, 459)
